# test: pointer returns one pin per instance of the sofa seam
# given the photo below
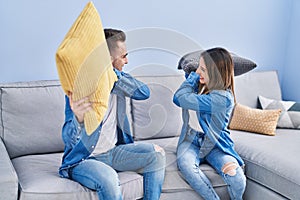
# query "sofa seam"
(32, 86)
(133, 180)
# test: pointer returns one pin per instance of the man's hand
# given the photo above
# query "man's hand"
(80, 107)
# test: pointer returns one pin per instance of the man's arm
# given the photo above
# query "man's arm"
(130, 87)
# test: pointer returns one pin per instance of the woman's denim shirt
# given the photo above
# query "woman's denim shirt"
(78, 145)
(213, 113)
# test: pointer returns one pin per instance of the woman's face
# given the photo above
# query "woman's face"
(202, 71)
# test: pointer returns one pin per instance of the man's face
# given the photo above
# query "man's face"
(119, 56)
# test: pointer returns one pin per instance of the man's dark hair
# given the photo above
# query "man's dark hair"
(112, 36)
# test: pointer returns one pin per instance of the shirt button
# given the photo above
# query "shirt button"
(93, 146)
(82, 159)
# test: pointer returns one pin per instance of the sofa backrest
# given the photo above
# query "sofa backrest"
(252, 84)
(157, 116)
(31, 118)
(32, 113)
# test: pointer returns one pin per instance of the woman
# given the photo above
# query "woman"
(210, 92)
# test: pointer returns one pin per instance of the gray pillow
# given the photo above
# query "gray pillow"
(190, 62)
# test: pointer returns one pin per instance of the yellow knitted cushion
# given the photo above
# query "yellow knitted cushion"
(84, 65)
(254, 120)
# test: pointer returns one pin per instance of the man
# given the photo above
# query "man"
(93, 160)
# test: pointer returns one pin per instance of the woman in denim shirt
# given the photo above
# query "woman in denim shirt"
(210, 93)
(93, 160)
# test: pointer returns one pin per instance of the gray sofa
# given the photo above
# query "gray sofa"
(32, 114)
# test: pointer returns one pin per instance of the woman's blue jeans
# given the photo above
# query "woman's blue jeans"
(188, 161)
(100, 172)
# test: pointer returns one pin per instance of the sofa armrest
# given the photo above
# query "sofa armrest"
(8, 176)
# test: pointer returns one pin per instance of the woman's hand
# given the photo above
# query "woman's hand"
(80, 107)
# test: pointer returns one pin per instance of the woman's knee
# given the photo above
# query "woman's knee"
(187, 165)
(230, 168)
(235, 176)
(186, 158)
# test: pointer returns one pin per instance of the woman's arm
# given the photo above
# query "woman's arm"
(187, 98)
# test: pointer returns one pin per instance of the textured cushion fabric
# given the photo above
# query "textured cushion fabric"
(190, 62)
(250, 85)
(84, 65)
(32, 115)
(272, 162)
(290, 111)
(254, 120)
(46, 184)
(155, 117)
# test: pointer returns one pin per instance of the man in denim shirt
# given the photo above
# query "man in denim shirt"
(93, 160)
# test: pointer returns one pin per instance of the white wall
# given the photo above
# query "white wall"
(32, 30)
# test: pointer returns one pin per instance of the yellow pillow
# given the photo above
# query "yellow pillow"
(254, 120)
(84, 65)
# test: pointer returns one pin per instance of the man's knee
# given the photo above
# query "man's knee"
(230, 168)
(160, 155)
(159, 149)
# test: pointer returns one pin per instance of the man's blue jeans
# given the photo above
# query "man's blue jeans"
(188, 161)
(100, 172)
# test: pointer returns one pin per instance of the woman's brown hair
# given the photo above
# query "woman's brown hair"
(220, 70)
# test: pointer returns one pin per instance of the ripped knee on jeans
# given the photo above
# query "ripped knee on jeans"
(230, 168)
(159, 149)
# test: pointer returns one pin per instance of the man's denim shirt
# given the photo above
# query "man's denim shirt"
(213, 113)
(78, 145)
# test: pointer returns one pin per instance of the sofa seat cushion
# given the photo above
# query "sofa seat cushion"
(39, 179)
(272, 161)
(174, 183)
